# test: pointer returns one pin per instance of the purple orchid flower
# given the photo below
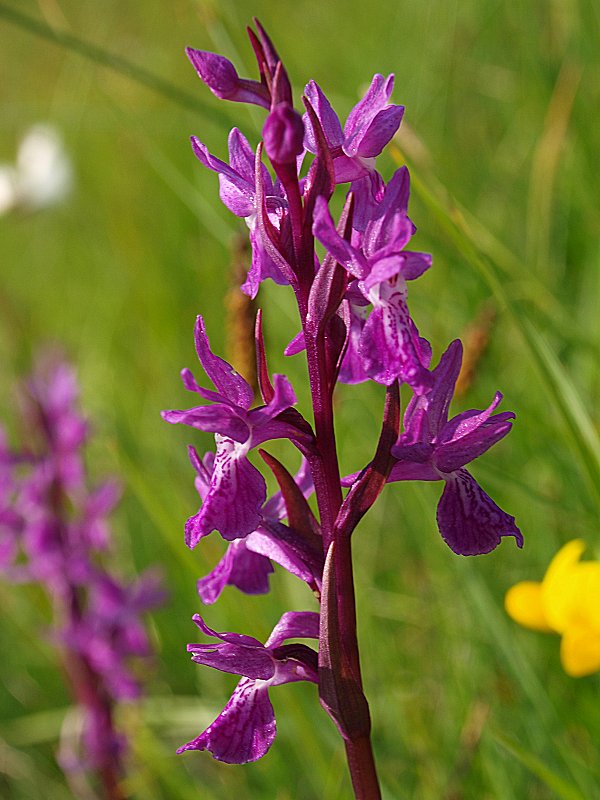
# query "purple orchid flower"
(247, 562)
(237, 489)
(369, 127)
(238, 194)
(389, 345)
(433, 448)
(246, 728)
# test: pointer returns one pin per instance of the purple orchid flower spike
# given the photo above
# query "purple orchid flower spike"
(246, 728)
(237, 489)
(433, 448)
(238, 194)
(355, 325)
(247, 562)
(368, 129)
(389, 345)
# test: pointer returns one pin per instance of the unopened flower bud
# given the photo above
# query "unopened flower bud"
(217, 72)
(221, 77)
(283, 134)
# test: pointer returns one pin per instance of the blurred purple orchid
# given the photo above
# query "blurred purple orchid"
(237, 489)
(50, 408)
(433, 448)
(52, 528)
(110, 631)
(11, 522)
(246, 728)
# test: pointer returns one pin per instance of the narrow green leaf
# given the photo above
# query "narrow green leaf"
(117, 63)
(564, 790)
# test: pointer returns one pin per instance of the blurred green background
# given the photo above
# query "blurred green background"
(502, 138)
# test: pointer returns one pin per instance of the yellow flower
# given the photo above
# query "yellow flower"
(567, 602)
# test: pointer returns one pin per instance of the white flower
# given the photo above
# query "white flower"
(42, 176)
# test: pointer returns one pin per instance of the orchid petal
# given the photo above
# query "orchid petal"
(469, 520)
(294, 625)
(239, 659)
(348, 170)
(240, 567)
(204, 469)
(262, 266)
(437, 400)
(265, 546)
(327, 117)
(365, 110)
(389, 346)
(414, 264)
(283, 398)
(412, 471)
(212, 419)
(379, 133)
(241, 158)
(227, 381)
(467, 422)
(236, 495)
(245, 729)
(236, 192)
(457, 453)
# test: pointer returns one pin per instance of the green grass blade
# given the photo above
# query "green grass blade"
(117, 63)
(558, 785)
